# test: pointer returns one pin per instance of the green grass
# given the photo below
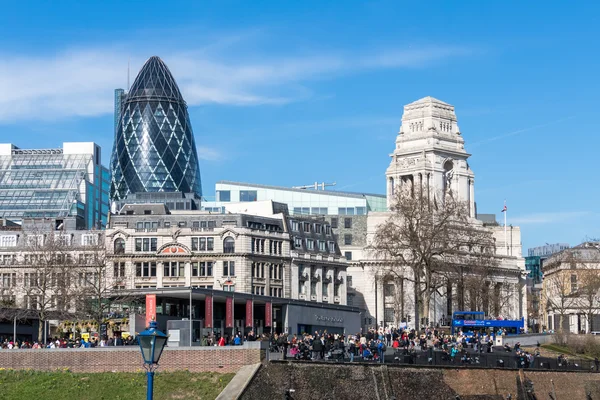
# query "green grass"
(32, 385)
(565, 350)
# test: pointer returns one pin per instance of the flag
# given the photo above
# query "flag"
(504, 209)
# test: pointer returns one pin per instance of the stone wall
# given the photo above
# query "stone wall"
(129, 359)
(313, 381)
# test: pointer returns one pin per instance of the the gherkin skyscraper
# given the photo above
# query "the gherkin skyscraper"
(154, 148)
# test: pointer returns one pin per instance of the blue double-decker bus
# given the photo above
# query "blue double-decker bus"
(471, 322)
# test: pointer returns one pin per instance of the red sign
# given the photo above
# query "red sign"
(268, 314)
(229, 312)
(208, 312)
(150, 308)
(249, 313)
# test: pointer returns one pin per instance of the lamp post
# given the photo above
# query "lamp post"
(152, 342)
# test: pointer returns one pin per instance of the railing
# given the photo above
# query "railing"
(472, 359)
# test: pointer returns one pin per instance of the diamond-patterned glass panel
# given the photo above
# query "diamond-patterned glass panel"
(154, 130)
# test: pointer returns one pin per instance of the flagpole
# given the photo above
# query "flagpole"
(505, 231)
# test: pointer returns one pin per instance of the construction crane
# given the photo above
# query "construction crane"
(315, 186)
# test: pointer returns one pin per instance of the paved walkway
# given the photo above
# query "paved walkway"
(239, 382)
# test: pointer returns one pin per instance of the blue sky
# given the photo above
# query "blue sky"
(287, 93)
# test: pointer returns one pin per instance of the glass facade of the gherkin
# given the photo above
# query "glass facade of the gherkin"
(154, 149)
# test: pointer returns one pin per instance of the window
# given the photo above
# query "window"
(119, 246)
(313, 288)
(297, 242)
(223, 195)
(248, 195)
(7, 259)
(8, 280)
(89, 240)
(8, 241)
(203, 244)
(347, 239)
(349, 280)
(275, 246)
(260, 290)
(331, 246)
(167, 224)
(310, 244)
(87, 279)
(361, 210)
(35, 240)
(336, 290)
(182, 224)
(119, 270)
(334, 223)
(146, 244)
(388, 289)
(348, 255)
(174, 268)
(228, 268)
(319, 211)
(204, 268)
(229, 288)
(388, 314)
(145, 269)
(573, 283)
(306, 227)
(229, 245)
(302, 288)
(258, 270)
(318, 228)
(322, 245)
(325, 289)
(295, 226)
(347, 223)
(327, 229)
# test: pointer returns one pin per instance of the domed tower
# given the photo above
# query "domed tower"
(430, 151)
(154, 148)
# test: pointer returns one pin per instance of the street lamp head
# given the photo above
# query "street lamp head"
(152, 342)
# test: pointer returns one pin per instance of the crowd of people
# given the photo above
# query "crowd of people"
(459, 348)
(65, 343)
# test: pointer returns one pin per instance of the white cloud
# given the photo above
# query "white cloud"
(547, 218)
(81, 82)
(209, 154)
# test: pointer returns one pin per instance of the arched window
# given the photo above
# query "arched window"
(229, 245)
(119, 246)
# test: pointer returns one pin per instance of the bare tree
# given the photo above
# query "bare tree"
(588, 293)
(559, 294)
(48, 274)
(101, 282)
(424, 236)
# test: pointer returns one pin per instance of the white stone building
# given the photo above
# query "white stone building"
(571, 289)
(429, 151)
(255, 248)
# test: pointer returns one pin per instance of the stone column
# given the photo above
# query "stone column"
(188, 274)
(268, 275)
(294, 290)
(160, 269)
(472, 197)
(344, 288)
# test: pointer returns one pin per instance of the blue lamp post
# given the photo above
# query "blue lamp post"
(152, 342)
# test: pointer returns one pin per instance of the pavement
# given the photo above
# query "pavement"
(240, 381)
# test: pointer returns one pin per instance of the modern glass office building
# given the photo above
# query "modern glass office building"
(299, 201)
(154, 148)
(54, 183)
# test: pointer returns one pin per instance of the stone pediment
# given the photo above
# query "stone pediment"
(118, 232)
(229, 232)
(174, 249)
